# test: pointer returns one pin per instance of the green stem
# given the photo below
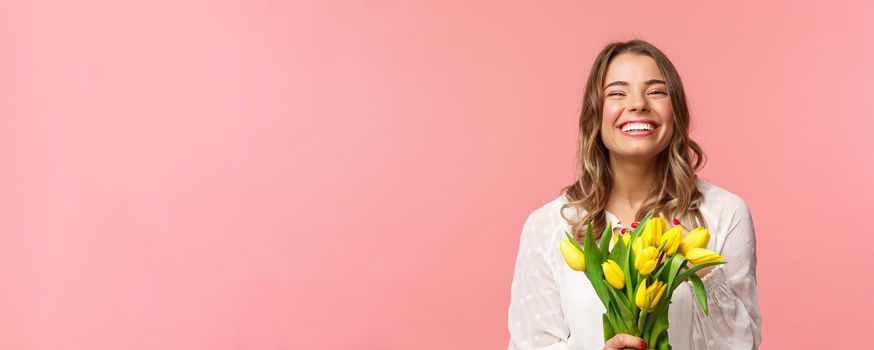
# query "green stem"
(642, 318)
(659, 271)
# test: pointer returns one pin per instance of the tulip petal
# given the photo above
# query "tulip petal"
(698, 238)
(656, 294)
(613, 274)
(640, 296)
(654, 229)
(671, 241)
(647, 267)
(700, 255)
(573, 256)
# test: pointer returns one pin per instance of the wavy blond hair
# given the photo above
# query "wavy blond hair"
(676, 197)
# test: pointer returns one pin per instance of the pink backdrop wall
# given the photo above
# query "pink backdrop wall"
(355, 175)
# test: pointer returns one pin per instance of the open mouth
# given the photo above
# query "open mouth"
(638, 128)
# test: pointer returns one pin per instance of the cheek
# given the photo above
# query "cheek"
(667, 115)
(664, 110)
(609, 115)
(667, 134)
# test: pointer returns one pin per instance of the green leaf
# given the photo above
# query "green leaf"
(642, 223)
(664, 261)
(659, 329)
(643, 312)
(608, 328)
(619, 325)
(661, 310)
(622, 304)
(605, 239)
(593, 266)
(573, 240)
(677, 261)
(631, 273)
(619, 254)
(663, 343)
(700, 292)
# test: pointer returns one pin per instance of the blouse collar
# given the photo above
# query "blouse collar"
(614, 220)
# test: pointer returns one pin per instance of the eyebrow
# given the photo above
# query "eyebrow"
(648, 82)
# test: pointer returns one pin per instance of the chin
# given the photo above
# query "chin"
(638, 154)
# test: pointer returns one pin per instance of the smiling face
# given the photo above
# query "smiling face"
(637, 119)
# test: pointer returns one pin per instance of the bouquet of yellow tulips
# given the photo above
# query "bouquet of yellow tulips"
(636, 278)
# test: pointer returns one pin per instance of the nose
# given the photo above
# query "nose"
(637, 104)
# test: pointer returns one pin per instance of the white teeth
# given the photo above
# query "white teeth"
(637, 127)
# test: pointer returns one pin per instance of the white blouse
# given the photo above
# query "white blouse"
(554, 307)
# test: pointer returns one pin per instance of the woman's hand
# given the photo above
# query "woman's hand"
(622, 341)
(703, 272)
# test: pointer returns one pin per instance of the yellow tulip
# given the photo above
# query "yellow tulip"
(640, 297)
(700, 255)
(613, 273)
(573, 255)
(639, 243)
(654, 229)
(652, 293)
(655, 292)
(625, 238)
(645, 260)
(671, 240)
(644, 240)
(647, 267)
(698, 238)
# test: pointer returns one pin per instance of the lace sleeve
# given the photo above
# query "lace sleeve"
(536, 320)
(734, 321)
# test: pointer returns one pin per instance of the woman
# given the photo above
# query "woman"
(635, 155)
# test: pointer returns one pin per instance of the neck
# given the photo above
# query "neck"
(633, 180)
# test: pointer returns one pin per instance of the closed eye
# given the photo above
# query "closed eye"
(651, 92)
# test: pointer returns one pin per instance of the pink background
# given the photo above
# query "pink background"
(355, 175)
